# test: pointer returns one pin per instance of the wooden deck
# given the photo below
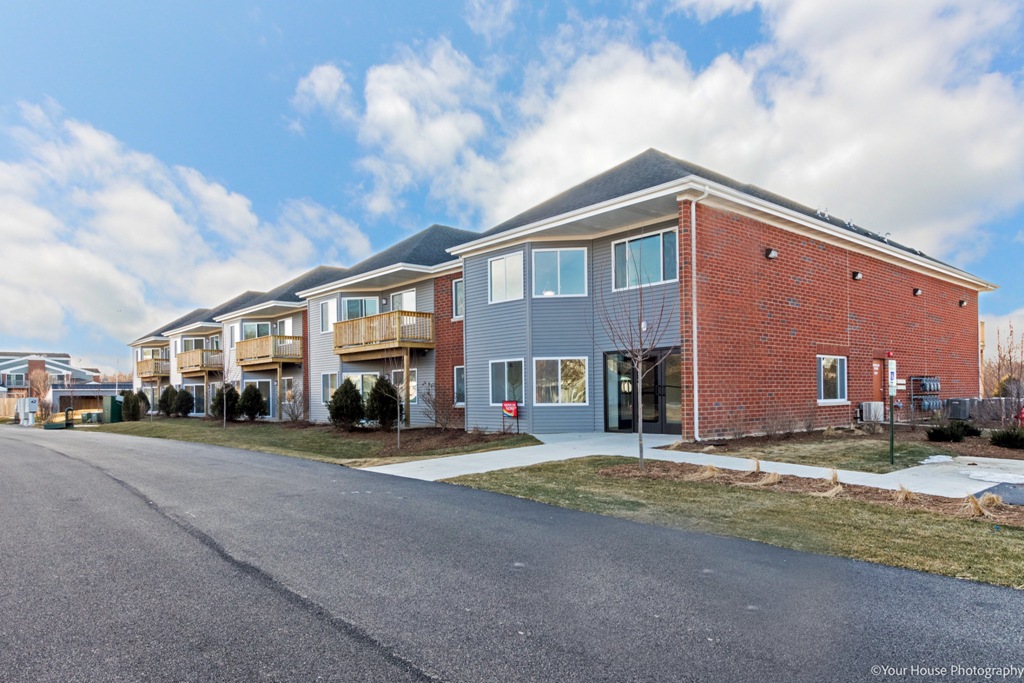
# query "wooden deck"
(200, 361)
(152, 368)
(268, 350)
(383, 336)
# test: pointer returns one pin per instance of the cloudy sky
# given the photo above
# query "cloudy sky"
(157, 157)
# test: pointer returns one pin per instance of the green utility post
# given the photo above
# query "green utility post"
(892, 417)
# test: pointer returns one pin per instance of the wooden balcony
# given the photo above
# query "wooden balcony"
(269, 350)
(200, 361)
(153, 368)
(383, 336)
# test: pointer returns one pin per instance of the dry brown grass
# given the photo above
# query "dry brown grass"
(704, 473)
(756, 467)
(831, 493)
(833, 477)
(903, 496)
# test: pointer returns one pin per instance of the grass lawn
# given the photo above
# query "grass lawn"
(925, 541)
(320, 442)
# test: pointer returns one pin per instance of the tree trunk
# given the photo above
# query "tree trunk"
(637, 392)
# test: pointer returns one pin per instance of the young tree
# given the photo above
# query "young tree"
(251, 403)
(39, 383)
(638, 321)
(1009, 370)
(167, 401)
(184, 402)
(382, 403)
(438, 404)
(229, 394)
(130, 408)
(346, 406)
(294, 409)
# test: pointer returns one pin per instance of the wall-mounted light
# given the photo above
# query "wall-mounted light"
(917, 291)
(383, 301)
(771, 253)
(963, 302)
(857, 275)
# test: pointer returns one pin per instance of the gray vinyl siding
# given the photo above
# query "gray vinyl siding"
(322, 358)
(493, 332)
(556, 327)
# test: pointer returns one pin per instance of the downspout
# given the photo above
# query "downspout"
(693, 311)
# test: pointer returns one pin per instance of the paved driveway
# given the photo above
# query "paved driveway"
(133, 559)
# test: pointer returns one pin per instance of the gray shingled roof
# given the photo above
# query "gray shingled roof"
(206, 315)
(653, 168)
(428, 247)
(320, 275)
(187, 319)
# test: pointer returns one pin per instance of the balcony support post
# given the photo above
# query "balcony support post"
(405, 381)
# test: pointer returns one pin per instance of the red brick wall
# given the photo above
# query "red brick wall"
(761, 324)
(448, 339)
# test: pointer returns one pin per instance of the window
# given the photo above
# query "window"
(192, 344)
(831, 379)
(254, 330)
(560, 381)
(264, 385)
(645, 260)
(359, 308)
(231, 331)
(506, 381)
(398, 379)
(199, 395)
(560, 272)
(364, 382)
(176, 347)
(328, 383)
(460, 385)
(403, 301)
(288, 389)
(325, 316)
(282, 327)
(506, 278)
(214, 342)
(458, 299)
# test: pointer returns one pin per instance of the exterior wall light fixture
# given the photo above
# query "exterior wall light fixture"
(857, 275)
(771, 254)
(917, 291)
(963, 302)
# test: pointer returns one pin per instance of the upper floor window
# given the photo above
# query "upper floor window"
(326, 316)
(360, 308)
(458, 299)
(560, 272)
(403, 301)
(831, 379)
(506, 278)
(645, 260)
(191, 344)
(254, 330)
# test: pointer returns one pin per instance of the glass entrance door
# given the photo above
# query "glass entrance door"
(659, 392)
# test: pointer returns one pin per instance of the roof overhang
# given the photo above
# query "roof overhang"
(154, 340)
(661, 203)
(195, 328)
(388, 277)
(268, 309)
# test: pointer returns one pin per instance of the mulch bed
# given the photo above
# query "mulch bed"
(953, 507)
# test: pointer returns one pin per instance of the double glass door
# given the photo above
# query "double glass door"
(655, 396)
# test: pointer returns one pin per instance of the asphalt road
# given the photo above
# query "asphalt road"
(127, 559)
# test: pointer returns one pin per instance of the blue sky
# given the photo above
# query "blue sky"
(157, 157)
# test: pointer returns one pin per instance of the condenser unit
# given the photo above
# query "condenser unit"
(872, 411)
(959, 408)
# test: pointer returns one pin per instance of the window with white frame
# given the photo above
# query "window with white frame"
(232, 333)
(193, 343)
(645, 260)
(403, 301)
(328, 383)
(255, 330)
(506, 381)
(560, 381)
(458, 299)
(831, 379)
(325, 316)
(506, 278)
(398, 379)
(288, 389)
(363, 381)
(266, 391)
(560, 272)
(460, 385)
(282, 327)
(359, 307)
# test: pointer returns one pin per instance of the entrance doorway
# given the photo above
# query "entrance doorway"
(659, 392)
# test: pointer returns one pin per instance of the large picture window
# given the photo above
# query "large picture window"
(560, 272)
(831, 379)
(460, 385)
(560, 381)
(506, 381)
(645, 260)
(506, 278)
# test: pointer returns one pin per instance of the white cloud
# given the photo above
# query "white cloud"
(324, 89)
(110, 242)
(491, 19)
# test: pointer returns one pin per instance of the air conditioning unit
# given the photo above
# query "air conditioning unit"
(959, 408)
(872, 411)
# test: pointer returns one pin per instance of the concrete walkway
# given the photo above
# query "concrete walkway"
(956, 478)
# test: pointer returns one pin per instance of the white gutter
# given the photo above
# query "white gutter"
(693, 311)
(290, 305)
(351, 282)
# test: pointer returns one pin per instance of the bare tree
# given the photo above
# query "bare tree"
(1008, 370)
(438, 404)
(294, 407)
(39, 383)
(638, 321)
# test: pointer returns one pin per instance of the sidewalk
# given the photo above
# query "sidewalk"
(956, 478)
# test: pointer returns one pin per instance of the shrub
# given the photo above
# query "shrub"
(131, 411)
(1012, 437)
(970, 429)
(144, 405)
(217, 403)
(950, 431)
(382, 403)
(250, 403)
(167, 401)
(293, 408)
(184, 402)
(346, 406)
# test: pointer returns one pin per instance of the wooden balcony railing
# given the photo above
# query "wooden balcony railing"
(271, 349)
(153, 367)
(200, 360)
(394, 330)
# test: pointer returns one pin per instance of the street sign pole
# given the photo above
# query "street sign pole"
(892, 417)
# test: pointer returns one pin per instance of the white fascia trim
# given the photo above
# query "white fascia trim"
(259, 307)
(149, 341)
(349, 282)
(193, 326)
